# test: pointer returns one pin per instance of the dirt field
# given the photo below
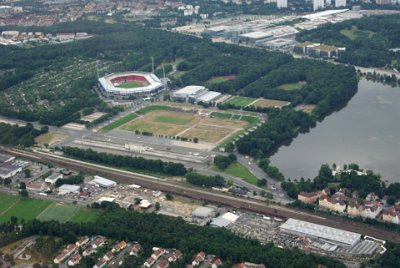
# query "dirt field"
(50, 138)
(184, 124)
(269, 103)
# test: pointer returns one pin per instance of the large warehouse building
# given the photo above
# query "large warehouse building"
(130, 84)
(197, 93)
(323, 233)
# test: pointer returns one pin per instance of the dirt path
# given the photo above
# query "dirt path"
(9, 208)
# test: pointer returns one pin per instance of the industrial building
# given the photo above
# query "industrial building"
(325, 234)
(196, 93)
(317, 50)
(224, 220)
(8, 170)
(53, 178)
(103, 182)
(68, 189)
(264, 35)
(4, 158)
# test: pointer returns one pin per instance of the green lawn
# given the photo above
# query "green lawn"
(291, 86)
(152, 108)
(6, 201)
(58, 212)
(355, 33)
(119, 122)
(172, 120)
(85, 215)
(240, 171)
(240, 101)
(26, 208)
(221, 115)
(132, 84)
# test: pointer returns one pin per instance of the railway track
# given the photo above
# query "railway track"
(185, 190)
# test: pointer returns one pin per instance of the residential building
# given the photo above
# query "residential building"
(309, 198)
(88, 251)
(174, 256)
(157, 253)
(100, 264)
(163, 264)
(217, 262)
(392, 215)
(335, 203)
(65, 253)
(251, 265)
(199, 258)
(108, 256)
(149, 262)
(82, 241)
(135, 249)
(118, 247)
(74, 260)
(99, 242)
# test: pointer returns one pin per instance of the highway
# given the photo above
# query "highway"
(181, 189)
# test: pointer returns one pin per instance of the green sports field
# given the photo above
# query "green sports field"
(152, 108)
(172, 120)
(29, 209)
(58, 212)
(291, 86)
(119, 122)
(240, 101)
(132, 84)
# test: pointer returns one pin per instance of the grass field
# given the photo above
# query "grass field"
(58, 212)
(29, 209)
(354, 33)
(270, 103)
(132, 84)
(119, 122)
(220, 79)
(50, 138)
(25, 208)
(172, 119)
(291, 86)
(240, 171)
(85, 215)
(152, 108)
(240, 101)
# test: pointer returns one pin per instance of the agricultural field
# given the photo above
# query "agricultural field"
(266, 103)
(291, 86)
(220, 79)
(29, 209)
(58, 212)
(240, 101)
(162, 121)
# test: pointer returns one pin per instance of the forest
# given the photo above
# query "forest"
(127, 162)
(168, 232)
(367, 40)
(19, 136)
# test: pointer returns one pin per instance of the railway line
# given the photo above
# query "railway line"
(185, 190)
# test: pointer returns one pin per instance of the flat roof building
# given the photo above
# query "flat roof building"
(8, 170)
(103, 182)
(4, 158)
(209, 96)
(68, 188)
(189, 92)
(331, 235)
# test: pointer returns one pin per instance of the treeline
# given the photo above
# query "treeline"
(19, 136)
(167, 232)
(78, 179)
(127, 162)
(367, 40)
(222, 161)
(204, 180)
(363, 183)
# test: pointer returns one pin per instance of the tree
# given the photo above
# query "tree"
(157, 206)
(22, 186)
(23, 193)
(169, 197)
(27, 173)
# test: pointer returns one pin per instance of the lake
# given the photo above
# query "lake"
(366, 131)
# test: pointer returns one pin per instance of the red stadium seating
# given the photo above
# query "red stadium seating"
(130, 78)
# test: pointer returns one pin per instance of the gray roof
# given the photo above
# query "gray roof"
(322, 231)
(220, 222)
(5, 157)
(202, 212)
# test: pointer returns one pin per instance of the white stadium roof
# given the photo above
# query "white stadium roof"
(334, 235)
(154, 84)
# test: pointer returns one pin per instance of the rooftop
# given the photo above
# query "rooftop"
(203, 212)
(190, 90)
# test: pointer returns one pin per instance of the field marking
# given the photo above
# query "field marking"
(10, 207)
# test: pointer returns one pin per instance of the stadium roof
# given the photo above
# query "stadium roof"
(203, 212)
(324, 13)
(320, 231)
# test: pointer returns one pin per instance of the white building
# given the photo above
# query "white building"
(318, 4)
(8, 170)
(281, 3)
(68, 188)
(330, 235)
(203, 212)
(103, 182)
(53, 178)
(340, 3)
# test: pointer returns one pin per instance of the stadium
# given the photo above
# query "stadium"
(130, 84)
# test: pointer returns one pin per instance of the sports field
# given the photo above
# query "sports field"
(119, 122)
(161, 121)
(29, 209)
(58, 212)
(240, 101)
(132, 84)
(291, 86)
(221, 79)
(266, 103)
(240, 171)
